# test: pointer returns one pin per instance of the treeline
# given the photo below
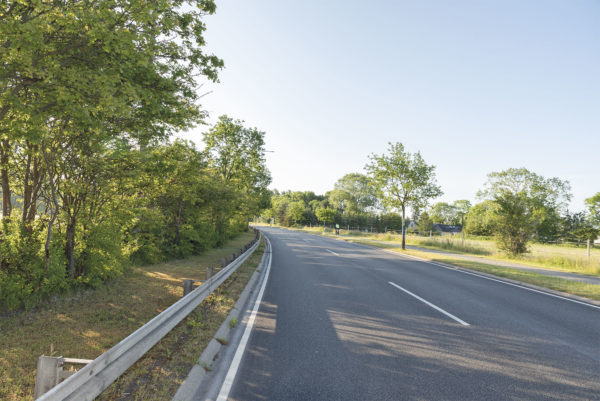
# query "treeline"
(351, 203)
(516, 205)
(90, 93)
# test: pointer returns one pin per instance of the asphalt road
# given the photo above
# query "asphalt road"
(331, 326)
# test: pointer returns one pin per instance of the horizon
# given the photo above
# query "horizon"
(476, 88)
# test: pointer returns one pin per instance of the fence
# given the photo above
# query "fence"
(97, 375)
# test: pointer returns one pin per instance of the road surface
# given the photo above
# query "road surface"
(341, 321)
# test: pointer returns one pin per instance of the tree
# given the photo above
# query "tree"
(576, 227)
(480, 219)
(514, 222)
(461, 208)
(402, 180)
(425, 224)
(353, 194)
(296, 211)
(593, 206)
(238, 154)
(325, 215)
(528, 205)
(443, 213)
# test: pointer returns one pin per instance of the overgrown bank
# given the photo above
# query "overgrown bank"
(86, 327)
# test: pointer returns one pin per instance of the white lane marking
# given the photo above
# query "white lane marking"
(450, 315)
(456, 269)
(237, 358)
(332, 252)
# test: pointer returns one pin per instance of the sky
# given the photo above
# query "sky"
(475, 86)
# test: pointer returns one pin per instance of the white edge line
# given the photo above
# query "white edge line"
(450, 315)
(459, 270)
(332, 252)
(237, 358)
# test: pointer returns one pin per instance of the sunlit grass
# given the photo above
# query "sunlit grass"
(590, 291)
(86, 326)
(566, 258)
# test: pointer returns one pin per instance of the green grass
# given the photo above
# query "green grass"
(590, 291)
(566, 258)
(556, 257)
(87, 326)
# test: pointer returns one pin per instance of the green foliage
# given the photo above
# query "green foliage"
(480, 219)
(353, 194)
(425, 224)
(578, 228)
(89, 95)
(515, 221)
(528, 206)
(546, 198)
(593, 206)
(326, 215)
(402, 180)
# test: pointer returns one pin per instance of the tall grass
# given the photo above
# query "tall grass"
(453, 245)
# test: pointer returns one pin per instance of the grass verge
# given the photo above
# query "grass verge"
(590, 291)
(158, 375)
(552, 257)
(87, 326)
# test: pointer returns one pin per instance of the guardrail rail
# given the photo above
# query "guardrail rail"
(96, 376)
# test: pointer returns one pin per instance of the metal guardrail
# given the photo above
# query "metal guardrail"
(95, 377)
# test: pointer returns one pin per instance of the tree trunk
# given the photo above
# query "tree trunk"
(4, 178)
(403, 228)
(48, 237)
(70, 247)
(178, 223)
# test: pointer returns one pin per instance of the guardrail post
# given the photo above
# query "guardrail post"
(188, 286)
(50, 372)
(209, 272)
(223, 262)
(47, 374)
(232, 258)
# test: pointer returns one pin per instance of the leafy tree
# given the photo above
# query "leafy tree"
(326, 215)
(425, 224)
(443, 213)
(238, 154)
(514, 221)
(461, 208)
(528, 205)
(296, 211)
(402, 179)
(576, 227)
(480, 219)
(593, 206)
(353, 194)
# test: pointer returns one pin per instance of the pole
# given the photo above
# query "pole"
(588, 250)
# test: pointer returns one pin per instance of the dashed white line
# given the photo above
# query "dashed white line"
(332, 252)
(237, 358)
(450, 315)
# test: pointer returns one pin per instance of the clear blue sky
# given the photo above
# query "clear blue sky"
(475, 86)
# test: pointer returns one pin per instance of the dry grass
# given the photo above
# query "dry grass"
(87, 326)
(158, 375)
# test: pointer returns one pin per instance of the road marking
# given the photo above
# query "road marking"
(450, 315)
(332, 252)
(237, 358)
(459, 270)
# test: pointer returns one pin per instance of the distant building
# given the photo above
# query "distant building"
(446, 229)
